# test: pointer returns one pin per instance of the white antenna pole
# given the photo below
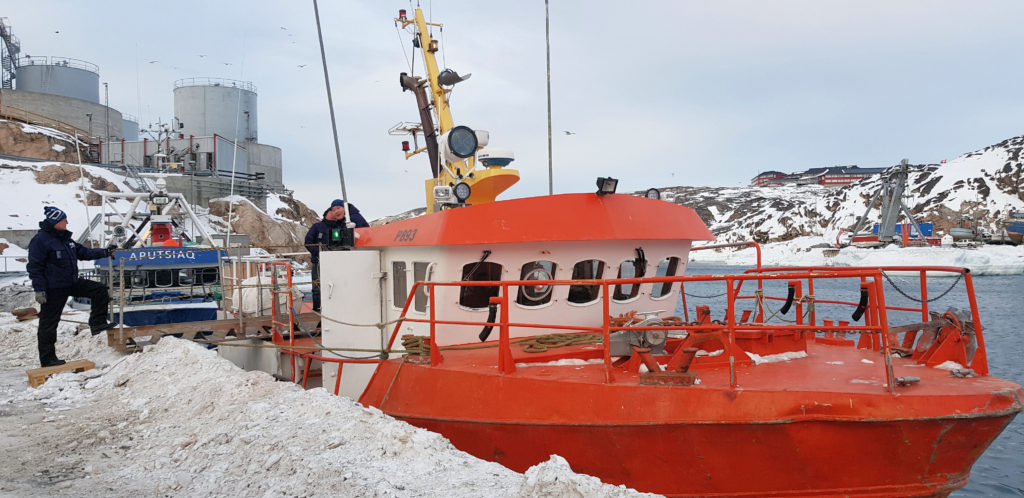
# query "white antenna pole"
(547, 38)
(330, 105)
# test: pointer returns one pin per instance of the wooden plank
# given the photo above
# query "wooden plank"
(37, 376)
(132, 339)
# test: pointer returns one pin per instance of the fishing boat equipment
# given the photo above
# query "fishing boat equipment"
(454, 151)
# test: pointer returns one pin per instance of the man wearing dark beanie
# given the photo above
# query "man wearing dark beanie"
(53, 268)
(318, 236)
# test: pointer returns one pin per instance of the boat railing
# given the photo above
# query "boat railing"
(875, 333)
(735, 327)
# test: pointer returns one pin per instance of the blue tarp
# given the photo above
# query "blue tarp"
(927, 228)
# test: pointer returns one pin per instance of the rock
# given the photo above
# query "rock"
(15, 141)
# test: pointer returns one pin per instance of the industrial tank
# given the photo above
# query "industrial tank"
(129, 127)
(207, 106)
(59, 76)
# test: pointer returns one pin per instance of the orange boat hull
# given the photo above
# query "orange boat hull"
(758, 439)
(805, 458)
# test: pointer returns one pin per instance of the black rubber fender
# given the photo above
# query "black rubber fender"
(789, 300)
(863, 305)
(492, 313)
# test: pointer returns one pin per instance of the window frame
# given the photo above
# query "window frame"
(596, 287)
(673, 264)
(551, 267)
(467, 292)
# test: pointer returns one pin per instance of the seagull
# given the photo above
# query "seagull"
(284, 28)
(301, 65)
(152, 62)
(567, 132)
(202, 55)
(226, 63)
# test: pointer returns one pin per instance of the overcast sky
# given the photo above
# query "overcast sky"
(656, 93)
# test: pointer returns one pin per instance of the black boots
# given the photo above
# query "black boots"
(96, 329)
(53, 362)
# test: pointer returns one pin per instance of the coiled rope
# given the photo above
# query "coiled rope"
(417, 345)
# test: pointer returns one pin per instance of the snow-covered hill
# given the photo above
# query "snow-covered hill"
(29, 186)
(985, 185)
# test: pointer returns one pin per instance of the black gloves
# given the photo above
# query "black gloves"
(41, 297)
(110, 250)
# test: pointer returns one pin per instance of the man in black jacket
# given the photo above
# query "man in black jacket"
(53, 268)
(319, 236)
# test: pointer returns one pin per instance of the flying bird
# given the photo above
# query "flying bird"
(284, 28)
(152, 62)
(226, 63)
(301, 65)
(202, 55)
(567, 132)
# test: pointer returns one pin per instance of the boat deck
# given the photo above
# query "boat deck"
(832, 380)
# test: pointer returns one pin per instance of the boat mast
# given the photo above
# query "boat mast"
(428, 45)
(486, 183)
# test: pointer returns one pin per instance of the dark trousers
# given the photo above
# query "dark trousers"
(49, 315)
(316, 286)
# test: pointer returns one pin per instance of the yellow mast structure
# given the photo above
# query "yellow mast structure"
(486, 182)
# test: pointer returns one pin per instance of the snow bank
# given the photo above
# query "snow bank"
(177, 419)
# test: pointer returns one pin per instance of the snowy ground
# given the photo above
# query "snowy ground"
(178, 420)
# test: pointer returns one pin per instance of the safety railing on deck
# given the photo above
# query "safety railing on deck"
(875, 333)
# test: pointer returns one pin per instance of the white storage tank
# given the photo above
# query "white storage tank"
(59, 76)
(207, 106)
(129, 127)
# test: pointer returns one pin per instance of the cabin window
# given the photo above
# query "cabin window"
(420, 274)
(667, 268)
(628, 269)
(186, 277)
(140, 279)
(586, 270)
(400, 288)
(479, 297)
(207, 275)
(163, 278)
(536, 295)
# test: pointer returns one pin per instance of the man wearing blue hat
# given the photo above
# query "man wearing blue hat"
(319, 236)
(53, 268)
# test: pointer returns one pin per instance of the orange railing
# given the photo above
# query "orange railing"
(874, 333)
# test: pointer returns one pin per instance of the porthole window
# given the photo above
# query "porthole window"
(536, 295)
(399, 286)
(140, 279)
(666, 268)
(586, 270)
(623, 292)
(207, 275)
(163, 278)
(478, 297)
(419, 274)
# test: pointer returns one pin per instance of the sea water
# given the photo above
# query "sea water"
(1000, 470)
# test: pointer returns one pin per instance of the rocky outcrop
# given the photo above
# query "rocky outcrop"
(15, 141)
(273, 235)
(296, 211)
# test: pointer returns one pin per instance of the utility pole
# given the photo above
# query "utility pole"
(106, 111)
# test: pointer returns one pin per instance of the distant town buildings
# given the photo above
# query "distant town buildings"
(833, 176)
